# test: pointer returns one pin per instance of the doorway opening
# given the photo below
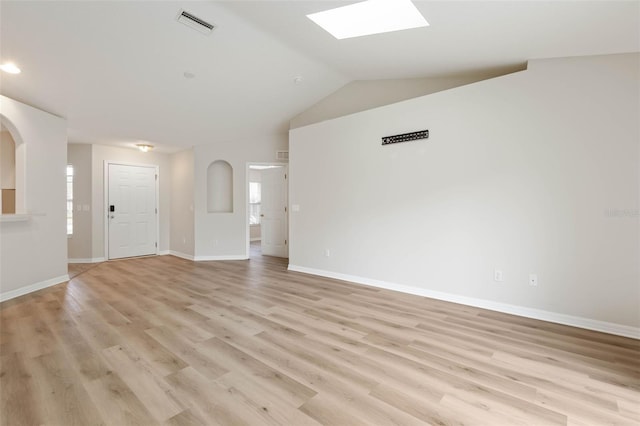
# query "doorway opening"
(12, 173)
(267, 210)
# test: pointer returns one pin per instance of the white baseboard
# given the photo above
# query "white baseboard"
(586, 323)
(33, 287)
(180, 255)
(201, 258)
(164, 252)
(87, 260)
(228, 257)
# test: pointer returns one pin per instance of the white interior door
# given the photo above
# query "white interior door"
(274, 217)
(131, 208)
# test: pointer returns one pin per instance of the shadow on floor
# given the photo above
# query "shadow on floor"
(75, 269)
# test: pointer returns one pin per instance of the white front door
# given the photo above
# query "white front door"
(274, 222)
(131, 209)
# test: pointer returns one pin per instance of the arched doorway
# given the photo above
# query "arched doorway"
(12, 156)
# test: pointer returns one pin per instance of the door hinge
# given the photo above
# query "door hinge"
(156, 177)
(285, 242)
(285, 209)
(156, 245)
(285, 176)
(156, 210)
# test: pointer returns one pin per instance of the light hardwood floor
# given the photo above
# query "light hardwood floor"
(76, 269)
(162, 340)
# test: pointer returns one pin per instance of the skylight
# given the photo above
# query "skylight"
(369, 17)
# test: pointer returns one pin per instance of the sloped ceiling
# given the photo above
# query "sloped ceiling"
(463, 36)
(115, 70)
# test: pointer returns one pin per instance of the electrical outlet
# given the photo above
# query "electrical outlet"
(497, 275)
(533, 279)
(327, 253)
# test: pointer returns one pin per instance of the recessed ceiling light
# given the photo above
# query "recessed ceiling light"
(369, 17)
(144, 147)
(11, 68)
(297, 79)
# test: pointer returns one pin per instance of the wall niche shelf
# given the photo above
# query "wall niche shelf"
(15, 217)
(220, 187)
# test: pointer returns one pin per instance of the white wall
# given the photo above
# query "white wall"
(102, 153)
(80, 243)
(520, 173)
(182, 204)
(361, 95)
(224, 235)
(33, 253)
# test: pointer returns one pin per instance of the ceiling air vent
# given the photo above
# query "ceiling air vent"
(282, 155)
(194, 22)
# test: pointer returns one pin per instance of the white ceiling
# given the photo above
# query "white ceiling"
(463, 36)
(115, 69)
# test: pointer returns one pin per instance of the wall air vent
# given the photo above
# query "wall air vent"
(282, 155)
(194, 22)
(405, 137)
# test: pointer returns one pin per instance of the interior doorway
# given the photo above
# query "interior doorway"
(267, 210)
(7, 172)
(131, 210)
(12, 173)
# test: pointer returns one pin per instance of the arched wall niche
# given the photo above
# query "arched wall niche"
(12, 182)
(220, 187)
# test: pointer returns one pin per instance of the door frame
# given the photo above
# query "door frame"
(105, 205)
(246, 199)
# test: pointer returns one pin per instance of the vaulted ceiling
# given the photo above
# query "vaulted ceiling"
(116, 70)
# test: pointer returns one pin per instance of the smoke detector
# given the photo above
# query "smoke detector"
(194, 22)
